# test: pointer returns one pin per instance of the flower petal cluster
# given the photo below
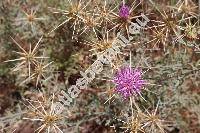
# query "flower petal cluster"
(124, 11)
(128, 81)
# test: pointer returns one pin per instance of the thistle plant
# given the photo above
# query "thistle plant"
(125, 15)
(40, 72)
(85, 31)
(152, 122)
(168, 28)
(29, 19)
(143, 121)
(73, 14)
(158, 37)
(169, 23)
(134, 125)
(91, 23)
(44, 112)
(99, 45)
(27, 58)
(191, 31)
(186, 8)
(105, 15)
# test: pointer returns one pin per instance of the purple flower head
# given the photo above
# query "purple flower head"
(124, 11)
(128, 81)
